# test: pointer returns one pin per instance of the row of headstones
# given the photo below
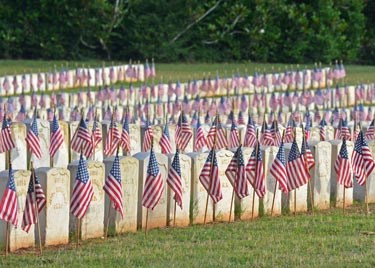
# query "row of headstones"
(103, 74)
(56, 222)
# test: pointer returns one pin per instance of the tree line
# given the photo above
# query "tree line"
(190, 30)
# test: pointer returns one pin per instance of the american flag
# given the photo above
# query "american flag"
(113, 139)
(343, 167)
(154, 185)
(250, 136)
(149, 135)
(216, 132)
(32, 139)
(307, 154)
(82, 191)
(165, 142)
(236, 174)
(82, 141)
(266, 137)
(209, 177)
(183, 133)
(174, 179)
(342, 131)
(29, 214)
(234, 139)
(275, 133)
(370, 133)
(125, 138)
(322, 130)
(113, 187)
(96, 134)
(362, 160)
(8, 203)
(255, 173)
(278, 169)
(200, 140)
(6, 139)
(296, 170)
(289, 133)
(57, 137)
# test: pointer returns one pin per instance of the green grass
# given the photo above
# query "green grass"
(184, 71)
(326, 239)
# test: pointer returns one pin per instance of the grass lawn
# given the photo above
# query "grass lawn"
(326, 239)
(183, 71)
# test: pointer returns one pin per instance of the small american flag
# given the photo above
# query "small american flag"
(183, 133)
(322, 130)
(174, 179)
(362, 160)
(296, 170)
(8, 203)
(278, 169)
(342, 131)
(57, 137)
(165, 142)
(275, 133)
(343, 168)
(82, 191)
(32, 139)
(200, 140)
(113, 187)
(209, 177)
(125, 138)
(154, 185)
(236, 174)
(82, 140)
(96, 134)
(289, 133)
(113, 139)
(266, 136)
(149, 135)
(255, 171)
(29, 214)
(6, 139)
(234, 139)
(370, 133)
(250, 136)
(216, 132)
(307, 154)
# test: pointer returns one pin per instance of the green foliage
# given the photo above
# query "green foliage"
(192, 30)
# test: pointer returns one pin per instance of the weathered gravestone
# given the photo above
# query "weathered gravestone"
(54, 218)
(129, 169)
(61, 158)
(92, 224)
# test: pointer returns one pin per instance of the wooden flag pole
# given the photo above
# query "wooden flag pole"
(256, 173)
(343, 200)
(366, 199)
(174, 213)
(212, 164)
(36, 208)
(231, 206)
(274, 191)
(309, 184)
(7, 238)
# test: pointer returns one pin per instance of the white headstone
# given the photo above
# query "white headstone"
(44, 140)
(18, 154)
(61, 158)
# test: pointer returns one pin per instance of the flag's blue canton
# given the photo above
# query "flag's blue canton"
(209, 158)
(126, 124)
(176, 163)
(344, 151)
(239, 156)
(5, 123)
(55, 124)
(82, 174)
(31, 184)
(34, 127)
(153, 168)
(166, 131)
(115, 171)
(184, 119)
(234, 127)
(22, 110)
(281, 154)
(198, 123)
(82, 124)
(11, 183)
(250, 120)
(322, 123)
(359, 143)
(294, 152)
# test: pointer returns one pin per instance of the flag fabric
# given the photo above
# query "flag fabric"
(322, 130)
(236, 174)
(113, 187)
(153, 187)
(255, 172)
(275, 133)
(209, 178)
(183, 133)
(82, 140)
(307, 154)
(33, 198)
(200, 140)
(57, 137)
(250, 136)
(370, 133)
(362, 160)
(149, 135)
(289, 134)
(96, 134)
(296, 170)
(165, 142)
(125, 137)
(278, 169)
(174, 179)
(234, 139)
(6, 140)
(266, 135)
(216, 131)
(343, 168)
(82, 191)
(32, 139)
(8, 203)
(342, 131)
(113, 139)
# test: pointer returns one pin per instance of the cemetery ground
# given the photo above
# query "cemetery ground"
(325, 239)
